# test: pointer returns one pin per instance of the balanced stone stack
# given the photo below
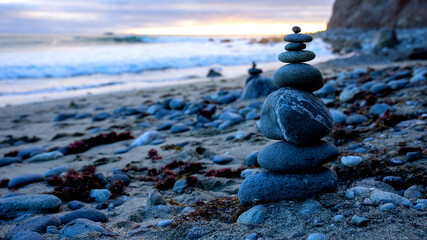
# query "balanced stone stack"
(256, 85)
(296, 117)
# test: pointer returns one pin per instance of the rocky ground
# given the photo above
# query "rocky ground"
(193, 146)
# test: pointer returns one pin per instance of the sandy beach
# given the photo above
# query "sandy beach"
(136, 218)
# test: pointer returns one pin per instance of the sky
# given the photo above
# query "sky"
(179, 17)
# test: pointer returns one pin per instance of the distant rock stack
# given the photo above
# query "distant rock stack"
(257, 86)
(299, 119)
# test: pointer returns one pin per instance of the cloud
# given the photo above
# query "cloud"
(97, 16)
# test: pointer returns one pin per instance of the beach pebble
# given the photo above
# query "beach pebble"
(15, 206)
(258, 87)
(351, 161)
(359, 221)
(179, 128)
(253, 236)
(414, 192)
(156, 198)
(221, 159)
(398, 84)
(294, 46)
(29, 152)
(255, 215)
(380, 108)
(421, 207)
(338, 218)
(310, 207)
(290, 75)
(326, 90)
(179, 186)
(87, 213)
(347, 95)
(49, 156)
(245, 173)
(296, 56)
(24, 180)
(228, 98)
(166, 125)
(317, 236)
(298, 38)
(355, 119)
(379, 88)
(252, 159)
(100, 195)
(357, 192)
(287, 157)
(82, 116)
(412, 156)
(100, 116)
(387, 207)
(165, 223)
(240, 135)
(56, 171)
(120, 176)
(64, 116)
(226, 124)
(81, 226)
(272, 187)
(252, 115)
(196, 233)
(233, 117)
(52, 230)
(27, 235)
(295, 116)
(9, 160)
(75, 204)
(379, 196)
(38, 225)
(149, 137)
(177, 103)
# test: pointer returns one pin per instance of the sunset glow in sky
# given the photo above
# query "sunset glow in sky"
(163, 17)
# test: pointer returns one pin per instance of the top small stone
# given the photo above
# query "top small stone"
(296, 29)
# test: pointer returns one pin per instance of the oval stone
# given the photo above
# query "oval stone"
(296, 56)
(298, 38)
(298, 75)
(294, 46)
(295, 116)
(273, 187)
(15, 206)
(287, 157)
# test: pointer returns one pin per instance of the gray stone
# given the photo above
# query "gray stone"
(326, 90)
(227, 98)
(272, 187)
(179, 128)
(359, 221)
(295, 116)
(298, 38)
(24, 180)
(144, 139)
(294, 46)
(347, 95)
(357, 192)
(338, 116)
(317, 236)
(385, 37)
(42, 157)
(351, 161)
(226, 124)
(252, 159)
(414, 192)
(421, 207)
(379, 196)
(379, 108)
(253, 236)
(120, 176)
(179, 186)
(177, 104)
(195, 233)
(298, 75)
(27, 235)
(258, 87)
(221, 159)
(52, 230)
(56, 171)
(75, 204)
(245, 173)
(255, 215)
(156, 198)
(355, 119)
(9, 160)
(310, 207)
(286, 157)
(87, 213)
(64, 116)
(338, 218)
(387, 207)
(166, 125)
(296, 56)
(38, 225)
(81, 226)
(165, 223)
(398, 84)
(15, 206)
(379, 88)
(100, 117)
(29, 152)
(233, 117)
(100, 195)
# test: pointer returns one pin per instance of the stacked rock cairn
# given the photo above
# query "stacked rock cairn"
(296, 117)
